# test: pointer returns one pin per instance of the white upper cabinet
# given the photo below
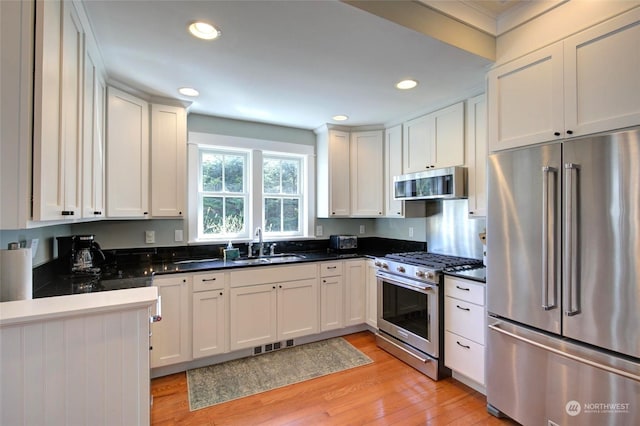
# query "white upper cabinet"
(434, 140)
(333, 173)
(392, 167)
(602, 76)
(93, 145)
(127, 155)
(477, 155)
(585, 84)
(57, 121)
(168, 160)
(366, 174)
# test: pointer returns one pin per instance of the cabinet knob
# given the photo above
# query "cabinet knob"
(145, 213)
(220, 293)
(556, 133)
(97, 212)
(274, 287)
(180, 213)
(569, 132)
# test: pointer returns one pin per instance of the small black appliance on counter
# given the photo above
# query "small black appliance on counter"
(79, 254)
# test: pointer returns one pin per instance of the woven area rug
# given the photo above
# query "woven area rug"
(247, 376)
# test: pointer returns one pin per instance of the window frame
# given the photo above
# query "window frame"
(257, 148)
(300, 195)
(245, 194)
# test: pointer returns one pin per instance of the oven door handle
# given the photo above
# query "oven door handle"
(424, 288)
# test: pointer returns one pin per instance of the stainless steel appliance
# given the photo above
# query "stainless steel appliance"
(563, 282)
(343, 242)
(410, 309)
(443, 183)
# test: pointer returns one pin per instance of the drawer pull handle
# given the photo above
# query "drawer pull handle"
(331, 267)
(462, 288)
(464, 346)
(464, 309)
(208, 279)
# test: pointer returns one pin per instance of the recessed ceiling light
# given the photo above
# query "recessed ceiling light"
(406, 84)
(204, 31)
(188, 91)
(340, 117)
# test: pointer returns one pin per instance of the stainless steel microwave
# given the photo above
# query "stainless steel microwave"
(443, 183)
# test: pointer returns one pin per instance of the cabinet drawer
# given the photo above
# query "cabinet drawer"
(464, 356)
(464, 319)
(208, 281)
(464, 290)
(330, 269)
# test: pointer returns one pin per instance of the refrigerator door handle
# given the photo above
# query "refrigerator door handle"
(570, 241)
(548, 239)
(564, 353)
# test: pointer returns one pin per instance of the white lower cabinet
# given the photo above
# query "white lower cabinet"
(171, 337)
(253, 316)
(465, 323)
(209, 314)
(331, 296)
(281, 309)
(297, 308)
(355, 292)
(372, 294)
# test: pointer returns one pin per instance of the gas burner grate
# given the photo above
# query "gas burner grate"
(433, 260)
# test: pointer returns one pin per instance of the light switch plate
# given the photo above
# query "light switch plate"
(318, 230)
(362, 229)
(178, 236)
(149, 237)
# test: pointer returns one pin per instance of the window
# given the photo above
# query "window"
(282, 195)
(238, 184)
(223, 195)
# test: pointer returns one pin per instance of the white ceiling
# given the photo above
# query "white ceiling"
(292, 63)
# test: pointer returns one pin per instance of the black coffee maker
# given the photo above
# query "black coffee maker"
(79, 254)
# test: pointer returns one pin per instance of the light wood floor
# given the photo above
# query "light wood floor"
(386, 392)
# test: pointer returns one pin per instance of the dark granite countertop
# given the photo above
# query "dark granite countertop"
(478, 274)
(136, 267)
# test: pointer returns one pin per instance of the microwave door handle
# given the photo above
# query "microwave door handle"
(548, 238)
(570, 241)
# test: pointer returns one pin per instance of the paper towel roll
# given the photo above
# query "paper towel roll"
(16, 275)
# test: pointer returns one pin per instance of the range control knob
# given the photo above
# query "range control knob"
(401, 269)
(430, 275)
(384, 265)
(378, 263)
(420, 274)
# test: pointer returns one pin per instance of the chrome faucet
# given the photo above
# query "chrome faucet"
(259, 235)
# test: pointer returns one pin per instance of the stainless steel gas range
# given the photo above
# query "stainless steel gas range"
(410, 307)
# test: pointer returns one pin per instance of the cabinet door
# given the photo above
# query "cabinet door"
(209, 323)
(297, 308)
(253, 316)
(58, 92)
(477, 156)
(127, 155)
(171, 339)
(372, 294)
(331, 303)
(366, 174)
(392, 167)
(602, 69)
(168, 160)
(526, 101)
(93, 175)
(355, 292)
(417, 145)
(339, 204)
(448, 136)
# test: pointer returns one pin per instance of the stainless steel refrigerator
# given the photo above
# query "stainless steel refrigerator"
(563, 282)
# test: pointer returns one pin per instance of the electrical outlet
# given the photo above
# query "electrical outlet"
(362, 229)
(318, 230)
(178, 235)
(411, 231)
(149, 237)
